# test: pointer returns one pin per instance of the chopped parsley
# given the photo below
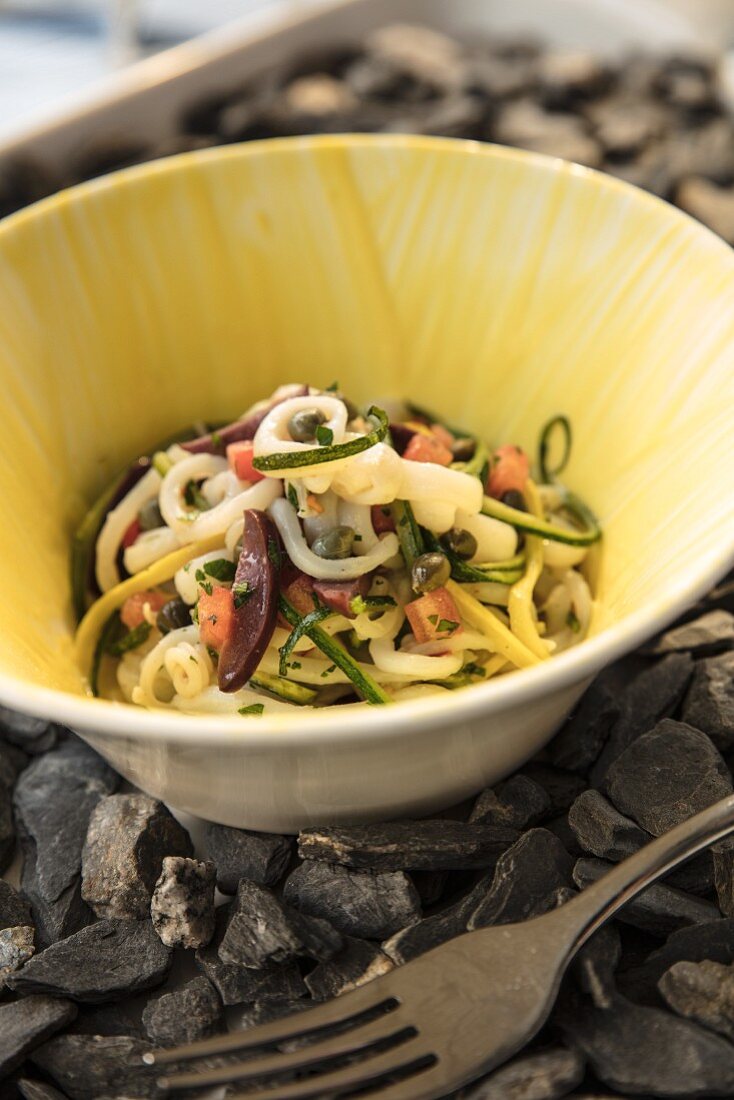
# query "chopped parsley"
(214, 656)
(203, 583)
(241, 593)
(333, 388)
(194, 497)
(220, 569)
(324, 436)
(274, 553)
(328, 671)
(254, 708)
(433, 620)
(295, 665)
(573, 622)
(129, 641)
(447, 626)
(292, 496)
(217, 441)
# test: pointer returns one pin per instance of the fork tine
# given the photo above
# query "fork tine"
(360, 1039)
(413, 1055)
(299, 1024)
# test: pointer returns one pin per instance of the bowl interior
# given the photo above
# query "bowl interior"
(495, 287)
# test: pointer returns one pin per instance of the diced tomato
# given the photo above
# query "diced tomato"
(382, 519)
(443, 435)
(131, 611)
(426, 448)
(216, 617)
(433, 616)
(510, 470)
(298, 589)
(239, 456)
(131, 534)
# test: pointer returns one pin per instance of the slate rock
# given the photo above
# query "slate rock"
(711, 204)
(90, 1067)
(525, 124)
(38, 1090)
(265, 1012)
(238, 853)
(703, 992)
(185, 1015)
(709, 704)
(12, 762)
(659, 909)
(525, 880)
(7, 829)
(518, 803)
(356, 964)
(14, 909)
(652, 694)
(116, 1018)
(642, 1050)
(449, 921)
(33, 735)
(26, 1024)
(17, 945)
(602, 830)
(723, 857)
(577, 744)
(105, 961)
(263, 931)
(431, 845)
(54, 798)
(128, 838)
(561, 786)
(713, 941)
(431, 885)
(357, 903)
(237, 983)
(702, 637)
(667, 775)
(182, 907)
(596, 963)
(541, 1075)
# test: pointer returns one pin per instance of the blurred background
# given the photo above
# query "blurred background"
(642, 89)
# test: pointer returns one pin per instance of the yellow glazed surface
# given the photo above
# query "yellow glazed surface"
(493, 286)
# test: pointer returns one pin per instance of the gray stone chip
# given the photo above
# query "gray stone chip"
(26, 1024)
(703, 637)
(542, 1075)
(239, 853)
(703, 992)
(518, 803)
(709, 704)
(93, 1067)
(525, 881)
(357, 903)
(182, 907)
(602, 830)
(185, 1015)
(356, 964)
(16, 948)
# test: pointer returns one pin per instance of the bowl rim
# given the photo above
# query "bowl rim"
(324, 726)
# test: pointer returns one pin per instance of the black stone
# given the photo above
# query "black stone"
(602, 830)
(357, 903)
(709, 704)
(448, 922)
(667, 775)
(525, 880)
(432, 845)
(33, 735)
(185, 1015)
(182, 907)
(14, 909)
(115, 1018)
(596, 963)
(578, 744)
(265, 1012)
(653, 694)
(659, 909)
(561, 786)
(103, 962)
(12, 762)
(263, 931)
(7, 829)
(90, 1067)
(26, 1024)
(431, 885)
(357, 963)
(518, 803)
(541, 1075)
(17, 945)
(260, 857)
(712, 633)
(713, 940)
(642, 1050)
(128, 838)
(703, 992)
(723, 857)
(38, 1090)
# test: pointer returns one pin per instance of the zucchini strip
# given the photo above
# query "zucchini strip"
(536, 525)
(478, 464)
(157, 573)
(108, 631)
(289, 460)
(365, 686)
(284, 689)
(312, 619)
(84, 541)
(546, 472)
(408, 532)
(520, 605)
(477, 615)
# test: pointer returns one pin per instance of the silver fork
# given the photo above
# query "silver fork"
(446, 1018)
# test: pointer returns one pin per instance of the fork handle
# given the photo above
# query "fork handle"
(597, 903)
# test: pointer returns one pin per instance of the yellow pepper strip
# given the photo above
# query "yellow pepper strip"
(157, 573)
(478, 616)
(520, 603)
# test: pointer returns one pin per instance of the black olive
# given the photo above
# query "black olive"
(173, 615)
(430, 571)
(513, 498)
(460, 542)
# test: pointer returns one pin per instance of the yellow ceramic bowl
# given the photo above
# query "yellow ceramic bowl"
(496, 287)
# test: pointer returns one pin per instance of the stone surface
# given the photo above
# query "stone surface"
(578, 743)
(703, 637)
(182, 907)
(602, 830)
(114, 1018)
(561, 786)
(542, 1075)
(667, 775)
(709, 704)
(238, 853)
(38, 1090)
(723, 857)
(14, 909)
(185, 1015)
(33, 735)
(102, 962)
(7, 829)
(17, 945)
(54, 798)
(596, 964)
(449, 921)
(356, 964)
(703, 992)
(518, 803)
(12, 762)
(431, 845)
(713, 940)
(263, 931)
(92, 1067)
(659, 909)
(128, 838)
(26, 1024)
(357, 903)
(525, 880)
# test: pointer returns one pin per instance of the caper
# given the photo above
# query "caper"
(513, 498)
(430, 571)
(149, 516)
(173, 615)
(460, 542)
(336, 543)
(303, 424)
(463, 449)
